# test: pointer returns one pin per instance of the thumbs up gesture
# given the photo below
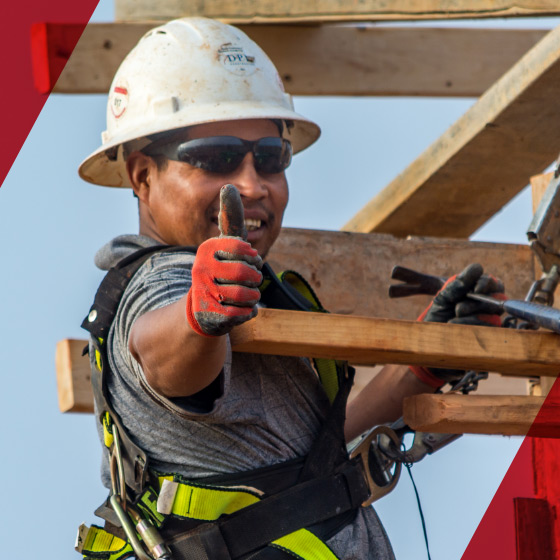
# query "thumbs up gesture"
(225, 274)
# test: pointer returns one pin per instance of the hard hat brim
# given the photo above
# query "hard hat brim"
(106, 166)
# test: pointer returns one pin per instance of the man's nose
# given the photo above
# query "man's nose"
(248, 181)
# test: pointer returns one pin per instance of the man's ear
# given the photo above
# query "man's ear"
(140, 167)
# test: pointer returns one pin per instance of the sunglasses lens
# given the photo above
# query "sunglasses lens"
(224, 154)
(217, 154)
(272, 155)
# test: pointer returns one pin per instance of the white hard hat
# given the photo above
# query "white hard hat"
(189, 71)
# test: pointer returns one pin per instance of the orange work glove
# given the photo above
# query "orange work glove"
(225, 274)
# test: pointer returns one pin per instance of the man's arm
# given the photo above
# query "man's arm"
(381, 400)
(176, 361)
(182, 347)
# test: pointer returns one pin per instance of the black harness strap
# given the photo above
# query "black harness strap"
(110, 291)
(258, 525)
(97, 323)
(329, 448)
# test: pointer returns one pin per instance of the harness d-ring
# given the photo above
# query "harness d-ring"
(377, 467)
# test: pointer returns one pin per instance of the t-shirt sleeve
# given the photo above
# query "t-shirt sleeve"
(161, 281)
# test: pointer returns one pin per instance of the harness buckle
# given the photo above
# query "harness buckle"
(381, 472)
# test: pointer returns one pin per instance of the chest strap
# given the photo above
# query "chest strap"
(289, 290)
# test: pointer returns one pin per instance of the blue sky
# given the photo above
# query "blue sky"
(51, 224)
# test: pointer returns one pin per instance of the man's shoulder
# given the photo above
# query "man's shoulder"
(121, 247)
(124, 247)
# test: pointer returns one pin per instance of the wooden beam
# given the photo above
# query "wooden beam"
(73, 377)
(368, 340)
(351, 273)
(329, 10)
(482, 161)
(539, 184)
(360, 340)
(327, 59)
(483, 414)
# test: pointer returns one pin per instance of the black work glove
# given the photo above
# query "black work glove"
(451, 305)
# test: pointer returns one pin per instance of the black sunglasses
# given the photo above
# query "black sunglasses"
(224, 154)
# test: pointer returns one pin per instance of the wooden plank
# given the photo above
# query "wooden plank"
(364, 340)
(73, 377)
(369, 340)
(330, 10)
(539, 184)
(329, 59)
(482, 414)
(351, 273)
(480, 162)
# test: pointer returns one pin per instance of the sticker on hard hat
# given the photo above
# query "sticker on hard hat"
(118, 100)
(236, 60)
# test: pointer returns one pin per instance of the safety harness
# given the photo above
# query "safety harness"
(268, 513)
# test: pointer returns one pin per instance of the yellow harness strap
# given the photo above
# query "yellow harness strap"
(100, 544)
(204, 503)
(326, 369)
(207, 503)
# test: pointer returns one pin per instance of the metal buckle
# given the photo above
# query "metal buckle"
(381, 472)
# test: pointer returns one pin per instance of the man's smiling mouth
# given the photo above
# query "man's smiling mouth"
(252, 224)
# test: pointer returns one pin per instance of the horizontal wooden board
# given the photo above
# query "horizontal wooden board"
(482, 161)
(330, 10)
(351, 272)
(360, 340)
(369, 340)
(327, 59)
(482, 414)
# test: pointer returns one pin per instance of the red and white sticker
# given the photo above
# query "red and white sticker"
(118, 100)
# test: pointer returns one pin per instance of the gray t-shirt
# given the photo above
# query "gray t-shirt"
(269, 408)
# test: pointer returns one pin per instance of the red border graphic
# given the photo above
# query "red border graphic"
(22, 97)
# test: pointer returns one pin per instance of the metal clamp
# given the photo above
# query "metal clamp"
(424, 443)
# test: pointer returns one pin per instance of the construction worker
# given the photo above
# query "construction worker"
(212, 454)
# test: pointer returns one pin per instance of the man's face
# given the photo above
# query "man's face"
(182, 201)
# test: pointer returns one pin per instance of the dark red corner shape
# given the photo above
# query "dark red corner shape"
(521, 522)
(27, 80)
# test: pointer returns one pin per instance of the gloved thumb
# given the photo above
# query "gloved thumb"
(231, 218)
